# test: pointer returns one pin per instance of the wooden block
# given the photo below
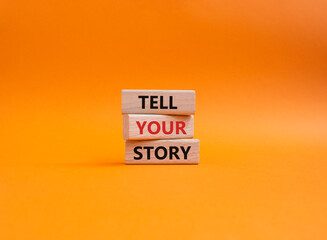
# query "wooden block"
(175, 151)
(148, 126)
(178, 102)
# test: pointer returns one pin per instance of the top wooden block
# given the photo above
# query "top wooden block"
(175, 102)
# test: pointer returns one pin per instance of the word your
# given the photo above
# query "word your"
(180, 125)
(161, 152)
(154, 102)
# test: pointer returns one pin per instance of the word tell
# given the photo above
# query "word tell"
(176, 102)
(154, 102)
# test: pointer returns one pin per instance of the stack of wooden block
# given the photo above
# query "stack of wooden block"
(158, 126)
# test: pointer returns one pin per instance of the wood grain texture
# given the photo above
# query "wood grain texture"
(174, 151)
(151, 126)
(176, 102)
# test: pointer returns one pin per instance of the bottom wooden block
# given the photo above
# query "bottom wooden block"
(174, 151)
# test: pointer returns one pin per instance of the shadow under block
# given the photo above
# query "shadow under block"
(148, 126)
(178, 102)
(174, 151)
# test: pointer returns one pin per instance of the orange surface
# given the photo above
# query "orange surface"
(259, 71)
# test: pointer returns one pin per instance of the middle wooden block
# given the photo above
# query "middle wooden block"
(146, 126)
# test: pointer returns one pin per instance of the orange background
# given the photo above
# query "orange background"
(259, 71)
